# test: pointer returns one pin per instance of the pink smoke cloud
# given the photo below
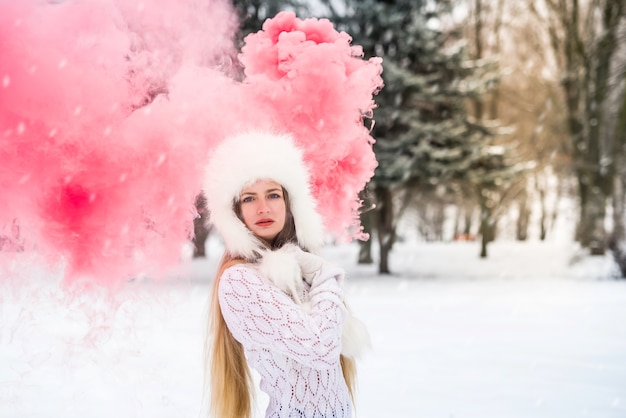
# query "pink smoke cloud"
(109, 109)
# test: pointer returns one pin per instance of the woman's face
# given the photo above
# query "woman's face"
(263, 208)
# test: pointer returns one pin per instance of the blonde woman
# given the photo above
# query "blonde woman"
(276, 306)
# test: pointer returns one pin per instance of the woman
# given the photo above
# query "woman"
(274, 302)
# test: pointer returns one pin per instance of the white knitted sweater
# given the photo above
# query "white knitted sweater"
(296, 352)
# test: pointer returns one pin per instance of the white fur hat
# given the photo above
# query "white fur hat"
(241, 160)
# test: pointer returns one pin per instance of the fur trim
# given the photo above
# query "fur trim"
(355, 339)
(241, 160)
(282, 268)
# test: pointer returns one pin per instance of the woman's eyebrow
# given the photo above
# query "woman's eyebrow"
(273, 190)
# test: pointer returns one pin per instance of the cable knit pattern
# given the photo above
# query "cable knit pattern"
(296, 353)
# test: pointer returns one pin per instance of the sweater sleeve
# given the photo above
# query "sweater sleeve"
(259, 314)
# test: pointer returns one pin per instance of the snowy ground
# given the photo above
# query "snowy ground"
(535, 331)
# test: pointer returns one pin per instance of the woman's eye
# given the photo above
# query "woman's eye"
(247, 199)
(274, 196)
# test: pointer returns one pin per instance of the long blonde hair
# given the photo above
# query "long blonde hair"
(230, 379)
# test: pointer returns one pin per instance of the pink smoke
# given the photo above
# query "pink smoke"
(319, 88)
(108, 110)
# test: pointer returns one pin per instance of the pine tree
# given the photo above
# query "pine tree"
(252, 13)
(424, 136)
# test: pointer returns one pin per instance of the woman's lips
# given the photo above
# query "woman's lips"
(265, 222)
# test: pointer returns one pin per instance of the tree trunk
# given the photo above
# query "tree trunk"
(484, 240)
(616, 242)
(439, 217)
(523, 217)
(457, 222)
(385, 229)
(585, 87)
(540, 187)
(486, 231)
(618, 235)
(593, 177)
(200, 226)
(555, 209)
(591, 231)
(365, 252)
(469, 212)
(368, 220)
(543, 228)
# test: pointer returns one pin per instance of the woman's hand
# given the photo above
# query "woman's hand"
(315, 270)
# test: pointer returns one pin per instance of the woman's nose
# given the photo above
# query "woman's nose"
(262, 207)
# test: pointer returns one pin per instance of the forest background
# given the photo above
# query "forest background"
(493, 113)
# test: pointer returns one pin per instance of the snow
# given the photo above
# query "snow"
(536, 330)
